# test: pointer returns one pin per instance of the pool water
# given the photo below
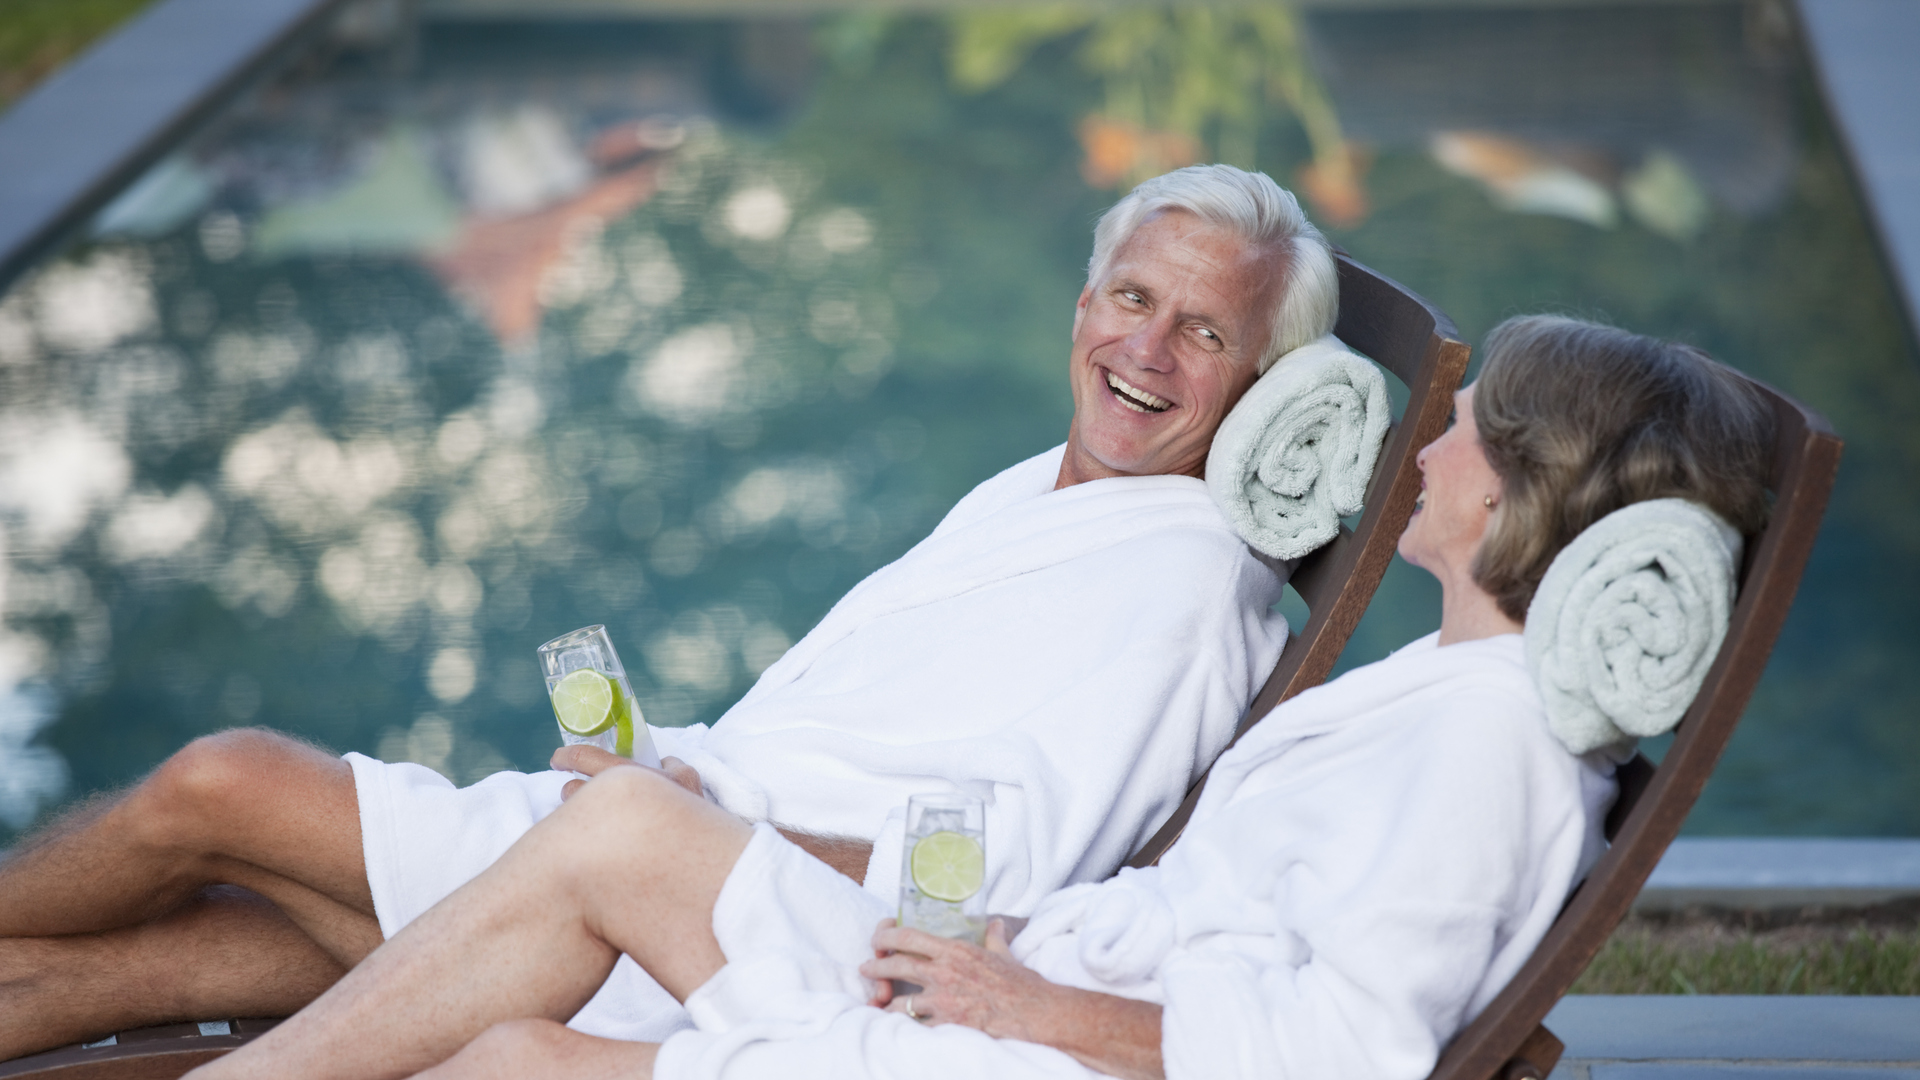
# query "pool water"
(459, 334)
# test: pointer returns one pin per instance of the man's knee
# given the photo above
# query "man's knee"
(627, 810)
(538, 1039)
(630, 790)
(217, 781)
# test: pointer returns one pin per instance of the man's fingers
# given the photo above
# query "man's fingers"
(683, 774)
(586, 760)
(592, 761)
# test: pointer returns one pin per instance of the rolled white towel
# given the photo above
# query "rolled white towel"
(1294, 456)
(1628, 619)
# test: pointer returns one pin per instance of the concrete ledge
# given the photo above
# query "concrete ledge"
(1758, 874)
(1804, 1032)
(88, 131)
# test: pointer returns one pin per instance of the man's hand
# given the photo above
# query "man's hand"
(592, 761)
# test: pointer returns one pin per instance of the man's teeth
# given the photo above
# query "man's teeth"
(1135, 398)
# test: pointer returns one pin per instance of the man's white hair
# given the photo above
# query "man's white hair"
(1262, 214)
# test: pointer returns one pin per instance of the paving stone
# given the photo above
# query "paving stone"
(1760, 873)
(1670, 1071)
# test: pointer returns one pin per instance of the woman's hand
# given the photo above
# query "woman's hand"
(986, 988)
(960, 983)
(592, 761)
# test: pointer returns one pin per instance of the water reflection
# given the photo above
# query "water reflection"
(325, 400)
(1177, 87)
(396, 371)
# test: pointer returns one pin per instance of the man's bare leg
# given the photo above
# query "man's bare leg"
(249, 808)
(633, 864)
(248, 959)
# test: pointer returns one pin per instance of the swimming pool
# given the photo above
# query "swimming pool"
(465, 331)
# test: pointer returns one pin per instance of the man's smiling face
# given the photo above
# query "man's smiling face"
(1163, 346)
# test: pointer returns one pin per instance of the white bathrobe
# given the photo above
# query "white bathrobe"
(1074, 657)
(1366, 870)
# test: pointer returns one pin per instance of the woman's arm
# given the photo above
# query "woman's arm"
(988, 989)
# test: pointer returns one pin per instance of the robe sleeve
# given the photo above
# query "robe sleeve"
(1388, 931)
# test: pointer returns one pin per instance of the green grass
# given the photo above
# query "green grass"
(1727, 953)
(37, 36)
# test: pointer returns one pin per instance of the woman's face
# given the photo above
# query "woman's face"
(1450, 517)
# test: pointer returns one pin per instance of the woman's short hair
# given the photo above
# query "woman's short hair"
(1262, 214)
(1580, 420)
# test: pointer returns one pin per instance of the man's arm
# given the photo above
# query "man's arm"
(843, 853)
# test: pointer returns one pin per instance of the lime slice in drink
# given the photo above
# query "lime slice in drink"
(585, 703)
(948, 866)
(622, 724)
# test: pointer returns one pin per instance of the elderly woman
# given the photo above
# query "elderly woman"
(1366, 870)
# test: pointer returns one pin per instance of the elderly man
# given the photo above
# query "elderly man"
(1074, 642)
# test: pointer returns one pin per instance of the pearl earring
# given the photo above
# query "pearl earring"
(1489, 502)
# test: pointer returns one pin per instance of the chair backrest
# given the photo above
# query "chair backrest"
(1507, 1041)
(1389, 323)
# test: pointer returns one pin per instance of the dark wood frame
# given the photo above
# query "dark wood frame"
(1508, 1040)
(156, 1053)
(1386, 321)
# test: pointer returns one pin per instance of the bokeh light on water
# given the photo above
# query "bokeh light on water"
(458, 335)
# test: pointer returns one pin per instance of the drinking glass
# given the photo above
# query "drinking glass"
(592, 699)
(944, 867)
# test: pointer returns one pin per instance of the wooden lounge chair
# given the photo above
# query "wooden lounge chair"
(1386, 321)
(1508, 1041)
(1378, 318)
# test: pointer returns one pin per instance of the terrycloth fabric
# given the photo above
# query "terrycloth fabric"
(1628, 619)
(1294, 456)
(1366, 870)
(1074, 657)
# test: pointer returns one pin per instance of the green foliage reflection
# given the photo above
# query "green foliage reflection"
(1177, 85)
